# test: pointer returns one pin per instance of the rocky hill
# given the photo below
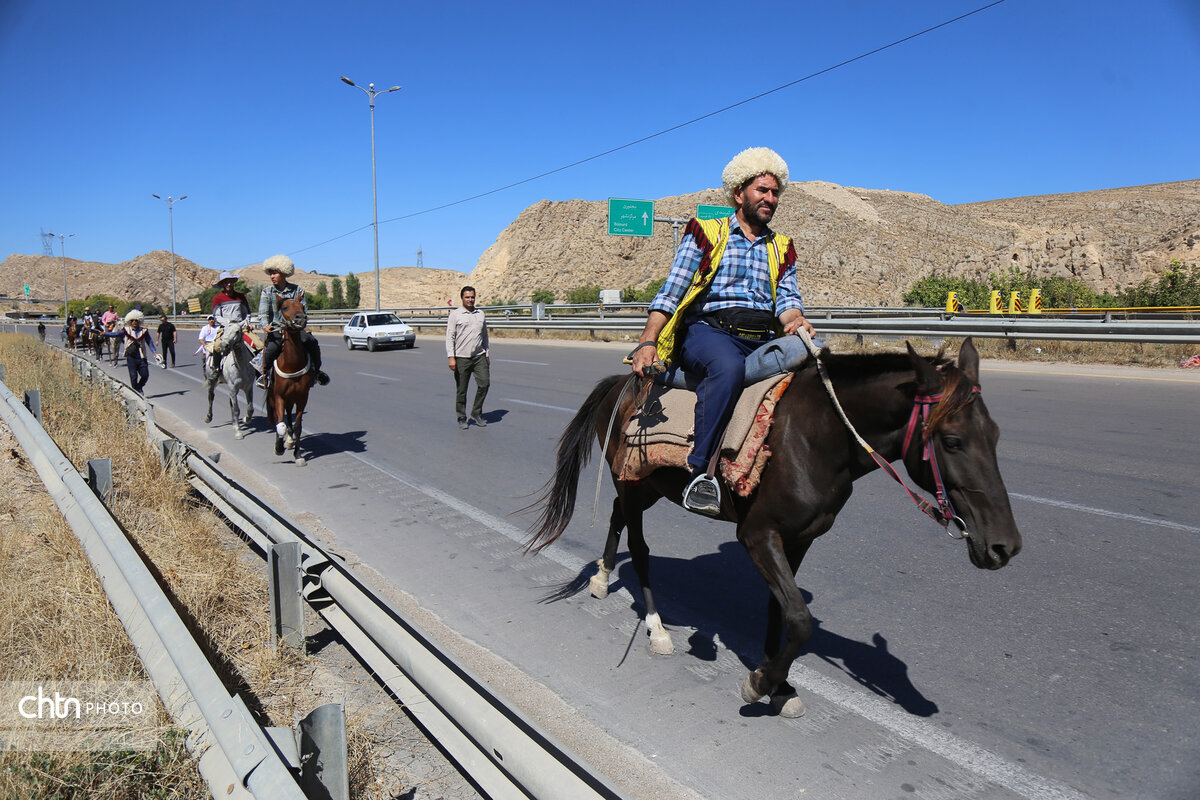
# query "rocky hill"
(866, 246)
(855, 247)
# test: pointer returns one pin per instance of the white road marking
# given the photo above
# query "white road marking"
(373, 375)
(531, 363)
(1163, 523)
(539, 405)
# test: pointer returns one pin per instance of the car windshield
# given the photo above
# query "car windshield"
(383, 319)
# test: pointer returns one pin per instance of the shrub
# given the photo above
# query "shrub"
(580, 295)
(542, 296)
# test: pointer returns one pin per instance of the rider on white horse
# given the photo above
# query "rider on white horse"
(229, 306)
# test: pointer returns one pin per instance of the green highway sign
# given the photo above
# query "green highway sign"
(712, 212)
(630, 217)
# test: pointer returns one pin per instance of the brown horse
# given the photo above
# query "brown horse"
(294, 376)
(810, 476)
(72, 333)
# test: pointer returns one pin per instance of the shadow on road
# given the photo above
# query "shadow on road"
(722, 595)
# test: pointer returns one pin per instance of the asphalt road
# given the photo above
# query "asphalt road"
(1071, 673)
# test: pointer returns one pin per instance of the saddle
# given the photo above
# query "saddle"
(660, 434)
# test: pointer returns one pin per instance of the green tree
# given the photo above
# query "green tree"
(339, 301)
(1178, 286)
(580, 295)
(353, 291)
(542, 296)
(322, 289)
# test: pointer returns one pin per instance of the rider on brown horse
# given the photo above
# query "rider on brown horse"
(731, 289)
(279, 269)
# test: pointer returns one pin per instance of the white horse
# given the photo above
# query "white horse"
(235, 370)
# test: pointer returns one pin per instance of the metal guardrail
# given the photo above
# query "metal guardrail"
(236, 759)
(1096, 325)
(505, 754)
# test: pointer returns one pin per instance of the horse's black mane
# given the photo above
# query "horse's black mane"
(850, 367)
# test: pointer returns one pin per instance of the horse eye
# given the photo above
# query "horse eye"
(952, 443)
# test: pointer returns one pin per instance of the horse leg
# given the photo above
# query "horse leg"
(235, 412)
(778, 563)
(297, 427)
(607, 562)
(640, 554)
(210, 383)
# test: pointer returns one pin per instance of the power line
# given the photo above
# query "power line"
(673, 128)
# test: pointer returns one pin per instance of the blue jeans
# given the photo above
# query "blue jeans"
(139, 371)
(718, 360)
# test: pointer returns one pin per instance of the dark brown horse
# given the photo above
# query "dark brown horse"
(808, 480)
(294, 376)
(72, 333)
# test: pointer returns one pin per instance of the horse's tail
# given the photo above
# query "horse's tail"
(574, 450)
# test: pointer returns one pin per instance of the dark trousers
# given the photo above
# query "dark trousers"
(139, 370)
(274, 345)
(464, 368)
(168, 347)
(718, 360)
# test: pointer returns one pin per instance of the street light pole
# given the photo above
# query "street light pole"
(370, 92)
(171, 201)
(62, 260)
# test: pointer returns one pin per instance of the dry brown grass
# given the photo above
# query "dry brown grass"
(58, 624)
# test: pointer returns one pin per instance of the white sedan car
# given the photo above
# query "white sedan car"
(377, 329)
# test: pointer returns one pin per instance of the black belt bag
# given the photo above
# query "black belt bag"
(744, 323)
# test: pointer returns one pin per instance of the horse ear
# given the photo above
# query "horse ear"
(968, 360)
(927, 376)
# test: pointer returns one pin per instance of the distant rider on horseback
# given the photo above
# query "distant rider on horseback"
(279, 269)
(228, 306)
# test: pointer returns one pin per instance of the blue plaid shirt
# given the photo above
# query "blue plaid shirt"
(743, 278)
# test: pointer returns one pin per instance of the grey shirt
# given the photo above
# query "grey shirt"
(466, 334)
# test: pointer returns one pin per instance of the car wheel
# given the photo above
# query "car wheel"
(349, 344)
(371, 345)
(411, 345)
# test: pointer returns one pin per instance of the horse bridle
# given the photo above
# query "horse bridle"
(922, 403)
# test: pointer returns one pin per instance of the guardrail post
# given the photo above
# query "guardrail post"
(33, 401)
(100, 477)
(171, 452)
(324, 764)
(3, 374)
(287, 603)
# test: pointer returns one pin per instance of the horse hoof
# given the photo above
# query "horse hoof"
(749, 693)
(300, 462)
(788, 705)
(599, 586)
(661, 644)
(278, 448)
(238, 435)
(208, 418)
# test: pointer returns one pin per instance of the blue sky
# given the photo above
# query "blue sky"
(239, 106)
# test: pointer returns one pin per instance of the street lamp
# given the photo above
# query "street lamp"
(171, 201)
(370, 93)
(62, 240)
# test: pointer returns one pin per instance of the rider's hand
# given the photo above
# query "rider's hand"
(642, 360)
(797, 322)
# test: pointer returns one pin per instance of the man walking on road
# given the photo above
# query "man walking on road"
(467, 352)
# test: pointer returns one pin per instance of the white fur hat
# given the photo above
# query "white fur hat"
(132, 315)
(748, 165)
(281, 264)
